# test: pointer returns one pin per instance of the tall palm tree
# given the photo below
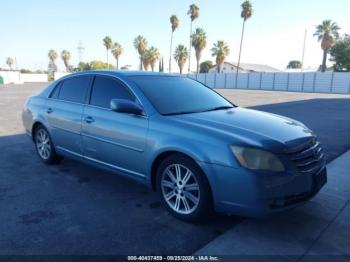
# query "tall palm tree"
(146, 59)
(181, 56)
(247, 11)
(199, 41)
(140, 43)
(9, 62)
(107, 42)
(327, 33)
(117, 50)
(174, 25)
(220, 50)
(53, 56)
(193, 12)
(65, 55)
(153, 56)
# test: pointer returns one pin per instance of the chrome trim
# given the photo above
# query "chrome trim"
(102, 163)
(112, 143)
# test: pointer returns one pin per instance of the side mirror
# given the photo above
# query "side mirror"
(125, 106)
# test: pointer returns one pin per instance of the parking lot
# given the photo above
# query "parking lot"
(75, 209)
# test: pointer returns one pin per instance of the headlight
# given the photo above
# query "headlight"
(252, 158)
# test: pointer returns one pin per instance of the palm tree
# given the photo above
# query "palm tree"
(153, 56)
(146, 59)
(174, 25)
(65, 55)
(107, 42)
(327, 33)
(181, 56)
(53, 56)
(140, 43)
(117, 50)
(221, 51)
(9, 62)
(199, 41)
(247, 11)
(193, 12)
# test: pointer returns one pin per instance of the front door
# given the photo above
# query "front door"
(111, 138)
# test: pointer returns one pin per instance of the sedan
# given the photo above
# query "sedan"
(198, 150)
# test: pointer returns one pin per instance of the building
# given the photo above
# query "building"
(228, 67)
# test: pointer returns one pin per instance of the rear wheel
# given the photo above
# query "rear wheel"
(184, 189)
(44, 146)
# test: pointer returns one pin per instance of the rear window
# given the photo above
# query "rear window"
(74, 89)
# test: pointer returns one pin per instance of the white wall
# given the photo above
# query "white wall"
(34, 78)
(11, 77)
(327, 82)
(58, 75)
(16, 77)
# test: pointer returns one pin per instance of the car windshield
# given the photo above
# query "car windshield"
(179, 95)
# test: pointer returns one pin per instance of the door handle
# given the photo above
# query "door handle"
(89, 119)
(49, 110)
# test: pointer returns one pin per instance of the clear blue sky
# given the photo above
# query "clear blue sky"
(274, 34)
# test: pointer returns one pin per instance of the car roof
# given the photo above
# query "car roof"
(124, 73)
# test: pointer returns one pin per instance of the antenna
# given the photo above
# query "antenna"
(80, 49)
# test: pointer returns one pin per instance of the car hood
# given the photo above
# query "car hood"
(247, 126)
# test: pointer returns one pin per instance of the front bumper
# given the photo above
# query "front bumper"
(244, 192)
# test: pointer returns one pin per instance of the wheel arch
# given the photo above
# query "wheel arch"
(165, 154)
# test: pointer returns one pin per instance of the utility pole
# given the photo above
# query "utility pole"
(80, 49)
(303, 56)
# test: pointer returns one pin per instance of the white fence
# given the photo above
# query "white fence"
(328, 82)
(16, 77)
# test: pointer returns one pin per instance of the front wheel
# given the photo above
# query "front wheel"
(44, 146)
(184, 189)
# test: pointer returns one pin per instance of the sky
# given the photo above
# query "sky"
(273, 36)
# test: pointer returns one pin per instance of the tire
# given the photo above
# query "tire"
(188, 196)
(44, 146)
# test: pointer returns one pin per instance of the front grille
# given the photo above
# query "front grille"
(307, 157)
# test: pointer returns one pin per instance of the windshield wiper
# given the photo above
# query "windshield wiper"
(180, 113)
(218, 108)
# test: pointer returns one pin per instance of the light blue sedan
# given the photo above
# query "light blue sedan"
(179, 137)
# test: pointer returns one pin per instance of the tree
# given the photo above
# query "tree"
(153, 56)
(294, 64)
(174, 25)
(327, 33)
(107, 42)
(340, 54)
(247, 11)
(53, 56)
(65, 55)
(9, 62)
(180, 56)
(146, 59)
(220, 50)
(98, 65)
(199, 41)
(140, 43)
(117, 50)
(193, 12)
(205, 66)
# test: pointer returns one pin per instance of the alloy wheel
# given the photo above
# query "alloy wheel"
(43, 143)
(180, 189)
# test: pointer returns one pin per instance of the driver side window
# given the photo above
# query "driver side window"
(105, 89)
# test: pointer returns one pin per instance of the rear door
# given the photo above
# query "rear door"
(64, 113)
(111, 138)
